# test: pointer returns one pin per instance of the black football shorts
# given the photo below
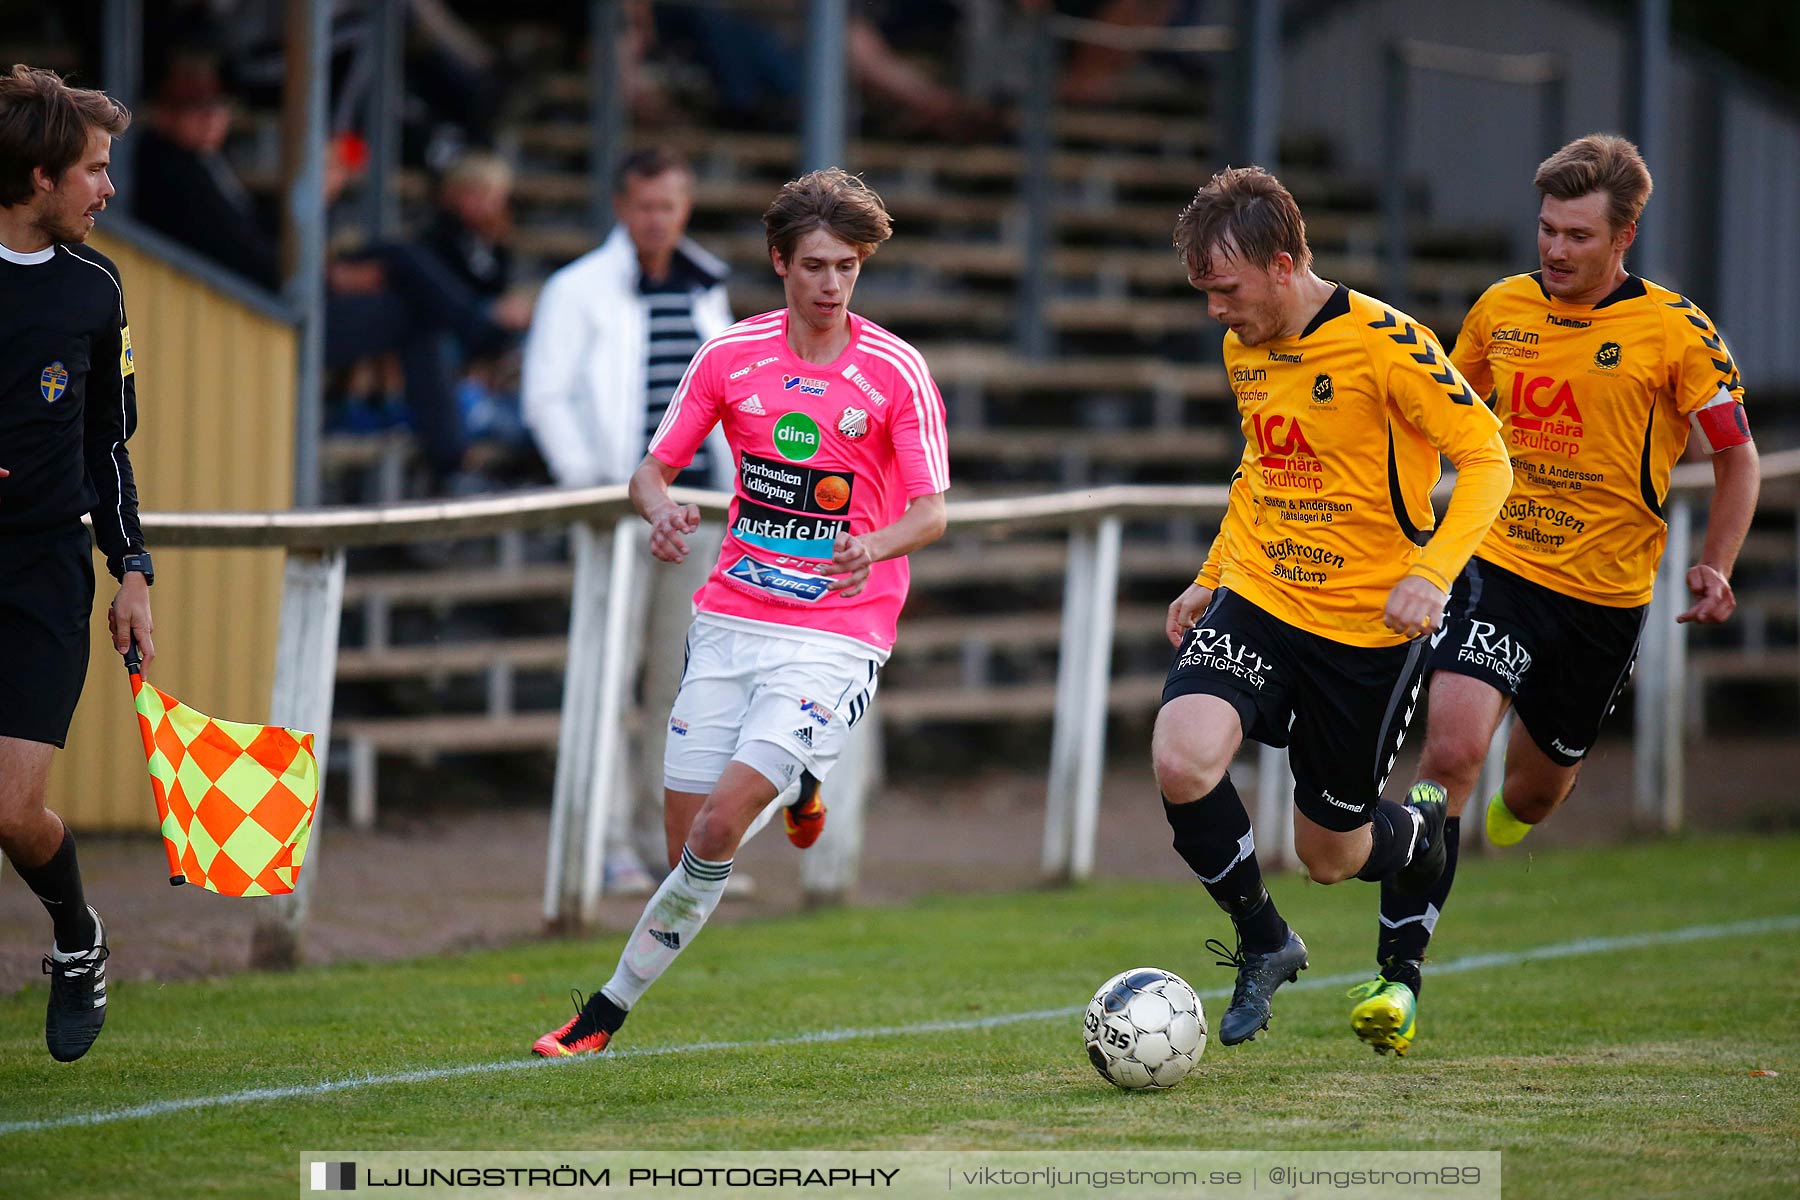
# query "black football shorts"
(1343, 710)
(46, 605)
(1563, 661)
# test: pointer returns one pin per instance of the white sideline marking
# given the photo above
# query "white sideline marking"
(1473, 962)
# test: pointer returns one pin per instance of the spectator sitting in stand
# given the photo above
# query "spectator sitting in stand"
(468, 234)
(470, 228)
(184, 188)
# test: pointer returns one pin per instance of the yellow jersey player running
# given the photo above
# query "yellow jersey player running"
(1309, 620)
(1596, 375)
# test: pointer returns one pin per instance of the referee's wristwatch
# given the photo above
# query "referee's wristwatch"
(139, 561)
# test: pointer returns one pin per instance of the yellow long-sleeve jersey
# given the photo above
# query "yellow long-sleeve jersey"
(1595, 402)
(1331, 506)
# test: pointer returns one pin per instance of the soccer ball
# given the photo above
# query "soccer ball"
(1144, 1029)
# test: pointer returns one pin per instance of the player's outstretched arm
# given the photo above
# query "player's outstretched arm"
(1737, 479)
(669, 521)
(853, 554)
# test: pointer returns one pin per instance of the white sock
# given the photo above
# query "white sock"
(670, 923)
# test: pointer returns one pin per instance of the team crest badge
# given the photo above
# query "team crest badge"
(1608, 356)
(853, 423)
(1322, 389)
(53, 382)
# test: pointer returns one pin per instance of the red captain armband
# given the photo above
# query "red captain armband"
(1721, 423)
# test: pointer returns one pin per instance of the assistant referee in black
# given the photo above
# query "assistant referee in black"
(68, 402)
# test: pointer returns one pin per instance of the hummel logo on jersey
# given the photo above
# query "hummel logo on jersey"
(667, 937)
(753, 407)
(803, 735)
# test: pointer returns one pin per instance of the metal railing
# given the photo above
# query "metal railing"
(595, 698)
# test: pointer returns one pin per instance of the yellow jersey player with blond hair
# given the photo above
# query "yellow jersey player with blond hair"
(1310, 620)
(1597, 376)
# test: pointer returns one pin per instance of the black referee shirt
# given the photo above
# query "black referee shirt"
(68, 400)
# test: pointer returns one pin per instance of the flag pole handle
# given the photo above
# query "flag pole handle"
(134, 663)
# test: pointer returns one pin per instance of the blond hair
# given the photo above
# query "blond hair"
(479, 168)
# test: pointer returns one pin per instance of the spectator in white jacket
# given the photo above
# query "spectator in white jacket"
(612, 334)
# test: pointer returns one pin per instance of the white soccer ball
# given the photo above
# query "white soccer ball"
(1144, 1028)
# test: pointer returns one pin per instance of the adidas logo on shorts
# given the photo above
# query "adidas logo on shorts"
(803, 735)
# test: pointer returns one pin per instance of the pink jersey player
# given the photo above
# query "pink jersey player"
(841, 463)
(819, 450)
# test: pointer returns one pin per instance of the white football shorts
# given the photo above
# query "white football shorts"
(741, 685)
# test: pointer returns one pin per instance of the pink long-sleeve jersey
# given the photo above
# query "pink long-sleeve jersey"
(818, 450)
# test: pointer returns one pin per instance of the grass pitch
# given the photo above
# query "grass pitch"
(1604, 1068)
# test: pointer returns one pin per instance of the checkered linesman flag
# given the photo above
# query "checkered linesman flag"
(236, 801)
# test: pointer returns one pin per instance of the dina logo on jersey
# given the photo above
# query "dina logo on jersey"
(1322, 393)
(1609, 356)
(796, 437)
(53, 381)
(807, 387)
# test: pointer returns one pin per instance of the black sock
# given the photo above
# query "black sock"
(58, 884)
(1391, 841)
(1407, 921)
(605, 1013)
(1213, 835)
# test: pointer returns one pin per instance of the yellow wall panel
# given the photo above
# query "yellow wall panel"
(216, 395)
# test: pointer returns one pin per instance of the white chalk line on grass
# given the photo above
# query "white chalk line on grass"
(1473, 962)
